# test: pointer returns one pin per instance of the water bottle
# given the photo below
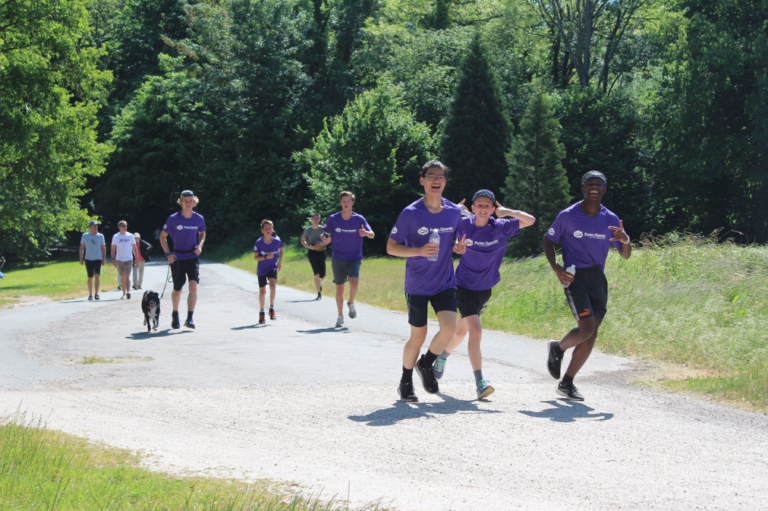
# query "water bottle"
(572, 270)
(434, 238)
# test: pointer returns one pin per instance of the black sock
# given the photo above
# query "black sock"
(407, 376)
(558, 351)
(189, 315)
(428, 359)
(567, 380)
(175, 314)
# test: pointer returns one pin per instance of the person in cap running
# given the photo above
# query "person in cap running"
(477, 273)
(585, 231)
(142, 257)
(123, 255)
(315, 240)
(268, 251)
(347, 230)
(425, 234)
(93, 254)
(187, 231)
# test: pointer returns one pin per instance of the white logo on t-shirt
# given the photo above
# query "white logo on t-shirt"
(578, 234)
(180, 227)
(394, 230)
(423, 231)
(338, 229)
(469, 243)
(165, 226)
(551, 231)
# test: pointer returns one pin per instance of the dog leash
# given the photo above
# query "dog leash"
(167, 280)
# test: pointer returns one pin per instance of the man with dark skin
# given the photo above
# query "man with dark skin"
(585, 230)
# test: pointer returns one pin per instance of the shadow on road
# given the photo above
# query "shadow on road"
(248, 327)
(301, 301)
(564, 410)
(324, 330)
(403, 411)
(162, 333)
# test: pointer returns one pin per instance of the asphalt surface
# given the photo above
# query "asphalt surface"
(299, 400)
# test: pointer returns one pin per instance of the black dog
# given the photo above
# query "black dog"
(150, 306)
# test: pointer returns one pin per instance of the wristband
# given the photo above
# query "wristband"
(628, 239)
(168, 253)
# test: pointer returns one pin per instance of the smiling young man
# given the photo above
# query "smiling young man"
(347, 230)
(585, 230)
(429, 277)
(187, 230)
(478, 271)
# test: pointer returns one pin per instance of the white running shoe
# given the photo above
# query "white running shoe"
(339, 321)
(352, 311)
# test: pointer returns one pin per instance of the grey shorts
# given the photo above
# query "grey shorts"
(124, 267)
(344, 270)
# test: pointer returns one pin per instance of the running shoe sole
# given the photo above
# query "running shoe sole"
(427, 377)
(189, 324)
(572, 393)
(484, 393)
(410, 398)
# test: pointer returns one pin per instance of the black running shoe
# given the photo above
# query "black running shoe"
(427, 376)
(406, 392)
(262, 318)
(553, 361)
(272, 314)
(569, 391)
(189, 323)
(175, 320)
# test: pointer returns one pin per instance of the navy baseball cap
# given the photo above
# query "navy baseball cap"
(93, 222)
(484, 193)
(593, 174)
(186, 193)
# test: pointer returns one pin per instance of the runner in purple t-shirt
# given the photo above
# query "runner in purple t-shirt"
(347, 230)
(187, 230)
(264, 251)
(585, 230)
(429, 274)
(478, 272)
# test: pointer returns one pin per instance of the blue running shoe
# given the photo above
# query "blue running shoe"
(484, 389)
(439, 368)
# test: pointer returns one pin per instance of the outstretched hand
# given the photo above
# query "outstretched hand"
(460, 247)
(619, 234)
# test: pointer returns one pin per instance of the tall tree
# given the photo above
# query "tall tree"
(50, 89)
(536, 182)
(476, 135)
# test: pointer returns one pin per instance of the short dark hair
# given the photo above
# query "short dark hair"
(436, 163)
(122, 222)
(266, 221)
(346, 193)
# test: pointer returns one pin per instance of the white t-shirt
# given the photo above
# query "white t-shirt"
(124, 244)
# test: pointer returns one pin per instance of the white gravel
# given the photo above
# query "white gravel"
(300, 401)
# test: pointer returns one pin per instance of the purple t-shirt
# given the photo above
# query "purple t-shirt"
(479, 266)
(346, 241)
(267, 265)
(413, 227)
(585, 239)
(183, 232)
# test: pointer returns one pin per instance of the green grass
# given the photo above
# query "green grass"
(57, 280)
(43, 469)
(689, 301)
(96, 360)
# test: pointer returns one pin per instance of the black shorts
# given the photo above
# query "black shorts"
(588, 294)
(93, 267)
(417, 305)
(317, 260)
(264, 278)
(472, 303)
(183, 270)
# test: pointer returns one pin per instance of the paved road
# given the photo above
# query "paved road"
(298, 400)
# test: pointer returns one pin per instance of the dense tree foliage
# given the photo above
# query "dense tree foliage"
(536, 183)
(268, 108)
(49, 94)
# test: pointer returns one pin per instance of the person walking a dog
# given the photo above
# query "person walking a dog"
(123, 253)
(264, 251)
(347, 230)
(187, 231)
(93, 254)
(585, 231)
(314, 240)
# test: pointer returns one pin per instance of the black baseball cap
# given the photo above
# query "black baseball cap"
(93, 222)
(593, 174)
(484, 193)
(186, 193)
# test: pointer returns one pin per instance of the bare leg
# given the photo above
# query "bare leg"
(95, 283)
(90, 286)
(447, 321)
(272, 289)
(125, 282)
(458, 337)
(581, 353)
(175, 299)
(192, 298)
(262, 297)
(412, 348)
(340, 299)
(354, 282)
(475, 336)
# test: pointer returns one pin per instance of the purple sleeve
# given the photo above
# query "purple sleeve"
(615, 219)
(165, 227)
(511, 227)
(256, 246)
(556, 230)
(400, 231)
(201, 228)
(365, 223)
